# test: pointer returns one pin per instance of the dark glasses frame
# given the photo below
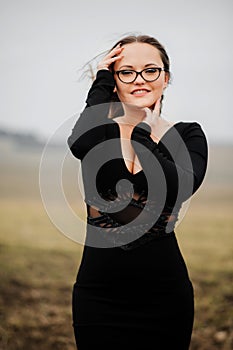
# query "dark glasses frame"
(139, 73)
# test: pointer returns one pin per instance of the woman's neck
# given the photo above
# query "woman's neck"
(133, 116)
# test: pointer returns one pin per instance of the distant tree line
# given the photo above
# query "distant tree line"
(21, 139)
(25, 139)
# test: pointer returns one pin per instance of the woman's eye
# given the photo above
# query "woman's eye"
(151, 70)
(126, 72)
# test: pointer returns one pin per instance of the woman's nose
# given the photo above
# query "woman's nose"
(139, 80)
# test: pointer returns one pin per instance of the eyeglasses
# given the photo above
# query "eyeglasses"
(128, 76)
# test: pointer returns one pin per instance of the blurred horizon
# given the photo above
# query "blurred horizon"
(33, 137)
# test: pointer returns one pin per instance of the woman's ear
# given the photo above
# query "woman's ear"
(166, 80)
(165, 84)
(115, 90)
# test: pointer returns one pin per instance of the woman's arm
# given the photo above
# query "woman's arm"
(89, 129)
(185, 169)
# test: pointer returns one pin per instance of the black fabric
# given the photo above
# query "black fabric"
(139, 297)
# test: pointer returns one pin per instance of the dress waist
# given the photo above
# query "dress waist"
(133, 234)
(136, 235)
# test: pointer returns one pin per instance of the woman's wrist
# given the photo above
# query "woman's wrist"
(102, 68)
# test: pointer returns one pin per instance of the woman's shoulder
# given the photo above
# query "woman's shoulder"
(186, 124)
(187, 127)
(192, 134)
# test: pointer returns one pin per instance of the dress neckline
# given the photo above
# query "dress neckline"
(123, 160)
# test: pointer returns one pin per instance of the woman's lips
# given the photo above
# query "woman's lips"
(140, 92)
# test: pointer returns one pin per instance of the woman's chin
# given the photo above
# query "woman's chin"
(140, 104)
(145, 104)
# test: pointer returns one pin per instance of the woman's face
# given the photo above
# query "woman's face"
(140, 93)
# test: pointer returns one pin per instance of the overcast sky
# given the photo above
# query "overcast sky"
(45, 42)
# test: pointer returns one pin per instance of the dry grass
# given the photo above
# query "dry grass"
(206, 240)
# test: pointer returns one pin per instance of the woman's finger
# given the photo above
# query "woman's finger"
(114, 51)
(148, 114)
(148, 111)
(106, 62)
(157, 107)
(111, 57)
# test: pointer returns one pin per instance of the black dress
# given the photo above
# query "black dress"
(133, 290)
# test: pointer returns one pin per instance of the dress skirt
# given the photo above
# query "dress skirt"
(136, 299)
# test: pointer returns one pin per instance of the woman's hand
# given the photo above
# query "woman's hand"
(158, 125)
(109, 59)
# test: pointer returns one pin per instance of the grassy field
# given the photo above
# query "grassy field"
(39, 264)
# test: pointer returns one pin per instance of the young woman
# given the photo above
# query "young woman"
(133, 290)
